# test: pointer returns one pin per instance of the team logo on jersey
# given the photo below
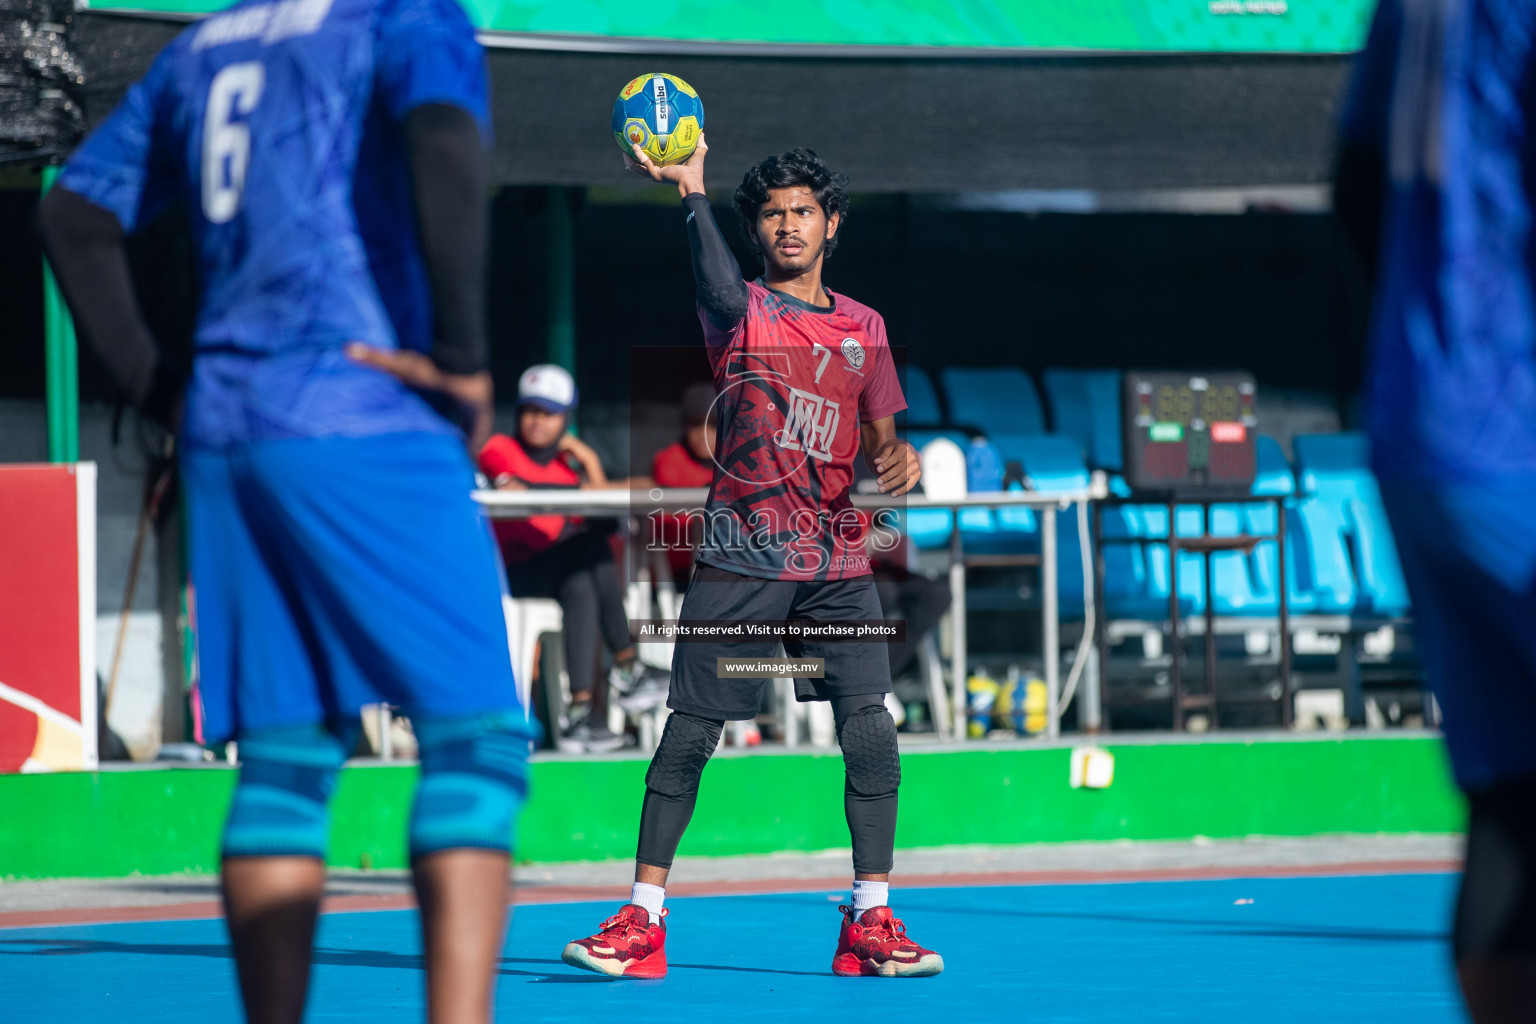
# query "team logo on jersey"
(854, 353)
(810, 424)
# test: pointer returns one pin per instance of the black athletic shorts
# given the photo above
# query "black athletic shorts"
(718, 595)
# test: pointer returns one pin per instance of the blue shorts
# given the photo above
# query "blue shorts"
(1469, 555)
(336, 572)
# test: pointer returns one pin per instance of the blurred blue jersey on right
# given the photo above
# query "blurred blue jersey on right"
(1443, 92)
(280, 124)
(1443, 98)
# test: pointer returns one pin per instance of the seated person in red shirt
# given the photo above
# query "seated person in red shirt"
(563, 557)
(688, 462)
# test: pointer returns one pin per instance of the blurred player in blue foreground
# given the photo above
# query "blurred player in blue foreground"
(1437, 182)
(333, 156)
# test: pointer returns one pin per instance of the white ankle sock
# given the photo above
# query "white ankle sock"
(650, 897)
(869, 894)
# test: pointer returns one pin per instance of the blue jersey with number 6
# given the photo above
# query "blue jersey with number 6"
(277, 123)
(1443, 92)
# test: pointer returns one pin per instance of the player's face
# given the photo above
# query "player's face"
(700, 438)
(793, 229)
(537, 428)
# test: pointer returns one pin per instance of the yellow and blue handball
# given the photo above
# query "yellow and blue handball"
(662, 115)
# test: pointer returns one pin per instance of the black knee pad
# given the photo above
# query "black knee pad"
(1496, 910)
(868, 739)
(686, 745)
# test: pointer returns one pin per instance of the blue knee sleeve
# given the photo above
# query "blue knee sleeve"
(287, 776)
(474, 778)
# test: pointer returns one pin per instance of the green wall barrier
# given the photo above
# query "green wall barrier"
(1196, 26)
(166, 821)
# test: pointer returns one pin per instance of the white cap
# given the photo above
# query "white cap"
(548, 387)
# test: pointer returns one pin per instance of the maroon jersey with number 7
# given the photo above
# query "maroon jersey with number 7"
(794, 381)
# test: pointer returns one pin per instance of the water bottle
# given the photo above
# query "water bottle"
(983, 466)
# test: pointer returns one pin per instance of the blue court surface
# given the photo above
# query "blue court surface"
(1369, 948)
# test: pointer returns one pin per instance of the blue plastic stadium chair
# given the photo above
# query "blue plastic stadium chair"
(922, 400)
(1322, 580)
(1189, 520)
(1274, 477)
(1052, 465)
(1334, 473)
(997, 399)
(1248, 583)
(1321, 577)
(1136, 565)
(996, 531)
(1318, 565)
(1130, 592)
(1085, 406)
(930, 528)
(1069, 567)
(1003, 403)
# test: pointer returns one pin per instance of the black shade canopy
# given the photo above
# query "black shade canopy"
(1099, 123)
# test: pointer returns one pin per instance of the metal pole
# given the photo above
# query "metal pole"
(957, 627)
(791, 726)
(1175, 661)
(1092, 718)
(1051, 615)
(186, 624)
(63, 363)
(559, 279)
(386, 741)
(1100, 627)
(1210, 617)
(1287, 711)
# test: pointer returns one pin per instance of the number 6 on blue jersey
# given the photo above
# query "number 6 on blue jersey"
(234, 92)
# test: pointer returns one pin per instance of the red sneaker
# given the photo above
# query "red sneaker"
(877, 945)
(627, 946)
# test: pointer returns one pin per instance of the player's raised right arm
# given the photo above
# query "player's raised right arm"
(721, 292)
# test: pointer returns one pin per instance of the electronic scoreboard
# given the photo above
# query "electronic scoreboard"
(1189, 435)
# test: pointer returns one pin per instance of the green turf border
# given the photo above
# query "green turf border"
(166, 820)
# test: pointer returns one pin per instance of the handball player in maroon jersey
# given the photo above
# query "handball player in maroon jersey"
(805, 381)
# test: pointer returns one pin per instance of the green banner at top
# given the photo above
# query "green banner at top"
(1163, 26)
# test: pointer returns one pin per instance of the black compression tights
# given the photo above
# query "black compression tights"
(868, 738)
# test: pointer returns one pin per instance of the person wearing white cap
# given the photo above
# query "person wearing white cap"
(564, 557)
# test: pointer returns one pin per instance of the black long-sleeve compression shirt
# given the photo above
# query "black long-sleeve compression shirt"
(85, 246)
(451, 173)
(721, 291)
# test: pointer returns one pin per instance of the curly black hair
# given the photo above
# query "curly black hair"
(787, 170)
